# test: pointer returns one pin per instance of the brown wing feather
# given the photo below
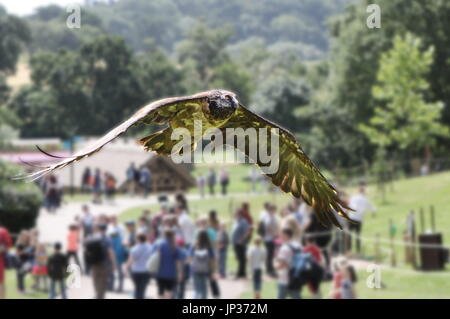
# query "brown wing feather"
(296, 173)
(159, 112)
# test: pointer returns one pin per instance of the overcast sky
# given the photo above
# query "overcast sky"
(23, 7)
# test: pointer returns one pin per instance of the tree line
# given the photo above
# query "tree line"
(370, 92)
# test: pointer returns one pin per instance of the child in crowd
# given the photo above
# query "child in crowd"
(348, 282)
(73, 241)
(312, 248)
(336, 285)
(257, 257)
(39, 270)
(57, 268)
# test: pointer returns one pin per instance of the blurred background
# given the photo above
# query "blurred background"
(370, 106)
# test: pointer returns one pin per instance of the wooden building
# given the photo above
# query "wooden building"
(166, 176)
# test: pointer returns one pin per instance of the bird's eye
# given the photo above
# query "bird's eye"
(213, 104)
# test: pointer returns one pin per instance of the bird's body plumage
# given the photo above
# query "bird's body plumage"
(221, 109)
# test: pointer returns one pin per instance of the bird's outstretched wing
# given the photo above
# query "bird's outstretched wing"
(296, 173)
(158, 112)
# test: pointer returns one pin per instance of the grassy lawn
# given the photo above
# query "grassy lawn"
(410, 194)
(397, 285)
(11, 288)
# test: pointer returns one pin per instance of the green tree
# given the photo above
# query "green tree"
(279, 96)
(19, 201)
(14, 34)
(206, 48)
(89, 91)
(404, 119)
(355, 57)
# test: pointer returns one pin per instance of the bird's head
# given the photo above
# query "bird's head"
(222, 104)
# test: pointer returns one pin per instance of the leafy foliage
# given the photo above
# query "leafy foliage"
(19, 201)
(406, 120)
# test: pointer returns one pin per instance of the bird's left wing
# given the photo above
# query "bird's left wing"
(296, 173)
(156, 112)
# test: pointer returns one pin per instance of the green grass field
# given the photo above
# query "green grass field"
(408, 194)
(11, 288)
(398, 284)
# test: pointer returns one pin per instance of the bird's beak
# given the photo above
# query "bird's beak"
(235, 101)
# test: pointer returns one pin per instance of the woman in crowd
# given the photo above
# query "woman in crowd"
(202, 264)
(213, 229)
(73, 242)
(170, 267)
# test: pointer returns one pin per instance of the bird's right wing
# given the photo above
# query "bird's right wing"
(296, 173)
(159, 112)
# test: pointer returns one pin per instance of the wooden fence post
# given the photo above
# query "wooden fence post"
(377, 248)
(392, 231)
(413, 241)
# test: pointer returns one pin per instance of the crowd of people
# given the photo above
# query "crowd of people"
(177, 251)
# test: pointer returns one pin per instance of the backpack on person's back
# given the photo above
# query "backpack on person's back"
(201, 261)
(95, 250)
(302, 269)
(261, 228)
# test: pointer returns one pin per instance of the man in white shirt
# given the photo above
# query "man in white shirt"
(115, 227)
(187, 226)
(361, 205)
(87, 221)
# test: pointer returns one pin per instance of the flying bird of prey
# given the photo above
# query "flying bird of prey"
(296, 173)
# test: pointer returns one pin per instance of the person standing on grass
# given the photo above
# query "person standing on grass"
(284, 257)
(211, 181)
(240, 236)
(270, 233)
(361, 205)
(202, 264)
(57, 267)
(5, 244)
(170, 267)
(201, 185)
(257, 256)
(224, 180)
(137, 265)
